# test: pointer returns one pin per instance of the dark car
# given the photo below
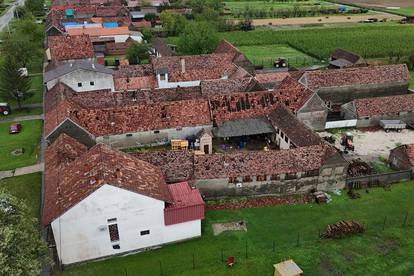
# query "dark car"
(5, 109)
(15, 128)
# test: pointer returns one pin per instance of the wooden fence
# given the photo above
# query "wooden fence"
(378, 180)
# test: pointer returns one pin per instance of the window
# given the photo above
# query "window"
(291, 176)
(163, 77)
(111, 220)
(261, 177)
(282, 135)
(247, 178)
(156, 131)
(113, 232)
(233, 179)
(179, 129)
(92, 83)
(79, 84)
(286, 139)
(312, 173)
(274, 177)
(116, 246)
(145, 232)
(129, 135)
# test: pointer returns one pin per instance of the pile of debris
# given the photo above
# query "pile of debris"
(358, 167)
(343, 228)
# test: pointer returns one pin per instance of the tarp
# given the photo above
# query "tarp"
(341, 124)
(110, 25)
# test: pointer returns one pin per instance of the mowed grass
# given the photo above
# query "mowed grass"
(26, 188)
(236, 5)
(266, 54)
(28, 139)
(289, 231)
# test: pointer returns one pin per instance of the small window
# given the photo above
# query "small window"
(247, 178)
(286, 139)
(79, 84)
(291, 176)
(282, 135)
(312, 173)
(162, 77)
(92, 83)
(179, 129)
(113, 232)
(366, 118)
(261, 178)
(145, 232)
(111, 220)
(129, 135)
(116, 246)
(274, 177)
(233, 179)
(156, 131)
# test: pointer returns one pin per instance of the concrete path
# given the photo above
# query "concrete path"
(21, 118)
(22, 171)
(8, 15)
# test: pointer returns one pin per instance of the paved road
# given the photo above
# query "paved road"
(8, 16)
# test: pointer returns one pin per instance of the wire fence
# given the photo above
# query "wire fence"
(292, 61)
(252, 256)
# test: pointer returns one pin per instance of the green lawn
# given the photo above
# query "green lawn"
(28, 139)
(266, 54)
(27, 188)
(292, 231)
(24, 112)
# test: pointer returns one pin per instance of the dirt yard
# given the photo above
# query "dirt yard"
(381, 3)
(323, 20)
(219, 228)
(370, 145)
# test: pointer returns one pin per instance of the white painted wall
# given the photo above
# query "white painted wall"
(123, 38)
(166, 84)
(279, 139)
(82, 234)
(101, 80)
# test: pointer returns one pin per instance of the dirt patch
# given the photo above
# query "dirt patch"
(258, 202)
(219, 228)
(323, 19)
(387, 246)
(328, 268)
(381, 3)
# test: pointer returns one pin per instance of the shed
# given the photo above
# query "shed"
(206, 141)
(243, 127)
(287, 268)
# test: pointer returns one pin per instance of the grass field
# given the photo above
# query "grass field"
(280, 232)
(28, 139)
(27, 188)
(266, 54)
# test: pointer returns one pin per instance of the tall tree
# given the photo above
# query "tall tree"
(198, 37)
(22, 251)
(137, 53)
(172, 23)
(13, 84)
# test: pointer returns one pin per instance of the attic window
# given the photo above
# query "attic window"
(247, 178)
(261, 177)
(274, 177)
(156, 131)
(129, 135)
(145, 232)
(79, 84)
(233, 179)
(92, 83)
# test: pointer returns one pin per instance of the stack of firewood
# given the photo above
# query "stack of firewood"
(342, 228)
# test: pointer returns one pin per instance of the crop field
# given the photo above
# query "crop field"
(379, 3)
(266, 54)
(373, 41)
(290, 231)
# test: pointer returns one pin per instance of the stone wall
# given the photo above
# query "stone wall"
(375, 120)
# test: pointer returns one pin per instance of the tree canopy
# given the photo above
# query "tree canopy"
(22, 251)
(137, 53)
(198, 37)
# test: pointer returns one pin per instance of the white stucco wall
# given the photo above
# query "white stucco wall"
(123, 38)
(81, 233)
(101, 80)
(281, 142)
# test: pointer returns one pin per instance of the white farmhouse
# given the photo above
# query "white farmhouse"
(80, 75)
(101, 202)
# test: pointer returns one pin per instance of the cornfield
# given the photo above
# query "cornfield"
(370, 41)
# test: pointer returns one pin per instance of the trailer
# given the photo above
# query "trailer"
(396, 125)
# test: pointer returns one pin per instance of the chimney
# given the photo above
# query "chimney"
(183, 66)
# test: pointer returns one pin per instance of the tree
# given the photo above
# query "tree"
(172, 23)
(13, 84)
(152, 17)
(22, 251)
(199, 37)
(35, 6)
(147, 34)
(136, 53)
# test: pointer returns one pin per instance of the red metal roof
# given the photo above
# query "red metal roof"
(187, 204)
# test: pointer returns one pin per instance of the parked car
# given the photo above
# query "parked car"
(15, 128)
(5, 109)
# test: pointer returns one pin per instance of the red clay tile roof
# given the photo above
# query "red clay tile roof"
(66, 184)
(221, 87)
(70, 47)
(130, 77)
(226, 47)
(242, 105)
(303, 159)
(293, 94)
(276, 77)
(384, 105)
(410, 153)
(299, 134)
(356, 76)
(118, 113)
(197, 67)
(99, 31)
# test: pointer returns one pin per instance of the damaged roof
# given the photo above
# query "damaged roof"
(243, 127)
(73, 172)
(384, 105)
(299, 134)
(70, 47)
(219, 87)
(292, 93)
(356, 76)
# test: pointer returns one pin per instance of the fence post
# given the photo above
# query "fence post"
(193, 261)
(297, 241)
(405, 219)
(126, 272)
(246, 250)
(385, 221)
(222, 255)
(161, 269)
(273, 246)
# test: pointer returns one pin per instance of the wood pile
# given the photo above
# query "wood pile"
(343, 228)
(359, 168)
